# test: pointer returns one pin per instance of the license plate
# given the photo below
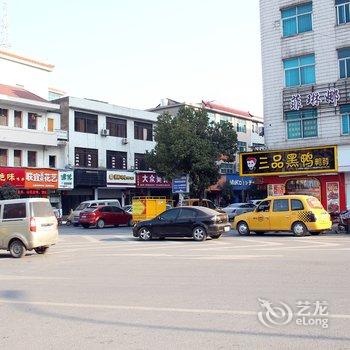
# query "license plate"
(226, 228)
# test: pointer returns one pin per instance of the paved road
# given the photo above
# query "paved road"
(102, 289)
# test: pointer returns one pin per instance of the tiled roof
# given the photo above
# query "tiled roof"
(16, 91)
(229, 110)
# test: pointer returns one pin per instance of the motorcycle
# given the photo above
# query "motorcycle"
(344, 222)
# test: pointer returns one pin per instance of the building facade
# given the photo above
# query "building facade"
(306, 71)
(107, 146)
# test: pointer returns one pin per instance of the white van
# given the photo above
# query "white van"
(92, 204)
(27, 224)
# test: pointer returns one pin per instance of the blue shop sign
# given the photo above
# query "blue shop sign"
(239, 182)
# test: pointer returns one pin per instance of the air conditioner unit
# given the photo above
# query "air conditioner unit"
(125, 141)
(104, 132)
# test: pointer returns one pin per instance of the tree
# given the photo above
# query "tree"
(8, 192)
(188, 144)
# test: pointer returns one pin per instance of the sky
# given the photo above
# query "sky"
(133, 53)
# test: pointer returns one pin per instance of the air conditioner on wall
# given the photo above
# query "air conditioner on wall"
(125, 141)
(104, 132)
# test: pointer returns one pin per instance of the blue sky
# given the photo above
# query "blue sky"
(135, 52)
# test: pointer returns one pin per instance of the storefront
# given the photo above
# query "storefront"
(310, 171)
(120, 185)
(150, 184)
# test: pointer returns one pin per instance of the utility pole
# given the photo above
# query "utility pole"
(4, 26)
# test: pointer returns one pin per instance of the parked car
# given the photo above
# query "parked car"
(235, 209)
(297, 213)
(196, 222)
(92, 204)
(104, 215)
(128, 208)
(256, 202)
(27, 224)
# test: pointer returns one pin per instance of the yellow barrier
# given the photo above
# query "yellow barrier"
(147, 208)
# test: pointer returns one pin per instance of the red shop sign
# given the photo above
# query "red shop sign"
(151, 180)
(12, 176)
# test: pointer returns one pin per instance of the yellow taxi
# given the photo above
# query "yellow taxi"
(297, 213)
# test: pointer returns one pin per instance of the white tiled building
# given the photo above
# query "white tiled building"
(306, 75)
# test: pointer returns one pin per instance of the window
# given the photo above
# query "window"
(297, 19)
(106, 210)
(117, 160)
(344, 63)
(116, 127)
(41, 209)
(140, 162)
(32, 121)
(3, 157)
(52, 161)
(32, 159)
(85, 122)
(227, 168)
(143, 131)
(14, 211)
(297, 204)
(50, 124)
(117, 210)
(299, 70)
(17, 158)
(241, 126)
(226, 118)
(264, 206)
(3, 117)
(301, 124)
(187, 214)
(18, 119)
(343, 11)
(242, 146)
(86, 157)
(280, 205)
(345, 119)
(169, 215)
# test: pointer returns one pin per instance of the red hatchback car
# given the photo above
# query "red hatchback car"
(104, 215)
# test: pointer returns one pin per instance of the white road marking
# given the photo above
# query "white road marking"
(146, 308)
(233, 257)
(9, 278)
(91, 239)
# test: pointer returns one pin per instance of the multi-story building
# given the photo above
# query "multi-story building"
(107, 146)
(306, 71)
(32, 144)
(249, 128)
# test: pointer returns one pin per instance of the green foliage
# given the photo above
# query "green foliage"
(8, 192)
(188, 144)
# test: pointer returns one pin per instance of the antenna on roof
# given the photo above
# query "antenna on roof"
(4, 26)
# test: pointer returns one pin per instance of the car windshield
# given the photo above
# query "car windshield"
(42, 209)
(82, 206)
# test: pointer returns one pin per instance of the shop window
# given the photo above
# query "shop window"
(345, 119)
(310, 187)
(280, 205)
(32, 159)
(3, 117)
(18, 119)
(117, 160)
(17, 158)
(32, 121)
(3, 157)
(143, 131)
(86, 157)
(301, 124)
(86, 122)
(116, 127)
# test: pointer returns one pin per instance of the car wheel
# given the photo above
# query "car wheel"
(260, 233)
(215, 236)
(145, 234)
(86, 225)
(299, 229)
(17, 249)
(41, 250)
(199, 234)
(243, 228)
(100, 223)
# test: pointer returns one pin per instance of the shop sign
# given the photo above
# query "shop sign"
(151, 180)
(293, 161)
(41, 193)
(65, 179)
(41, 178)
(12, 176)
(240, 183)
(333, 197)
(123, 178)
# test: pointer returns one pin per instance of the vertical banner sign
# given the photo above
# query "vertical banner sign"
(333, 200)
(181, 184)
